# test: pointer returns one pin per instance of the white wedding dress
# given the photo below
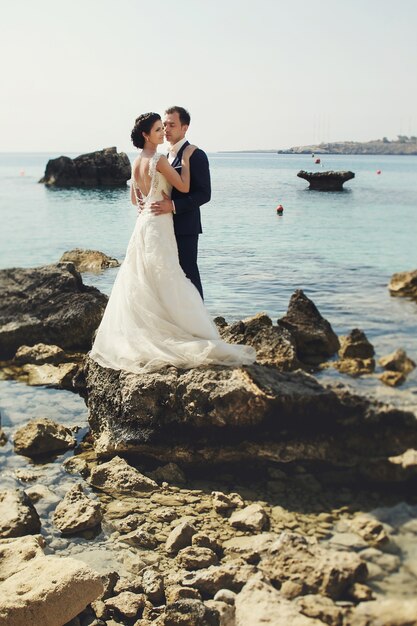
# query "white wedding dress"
(155, 316)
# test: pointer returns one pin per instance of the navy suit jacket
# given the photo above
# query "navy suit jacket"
(187, 216)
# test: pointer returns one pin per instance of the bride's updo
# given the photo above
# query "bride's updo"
(143, 124)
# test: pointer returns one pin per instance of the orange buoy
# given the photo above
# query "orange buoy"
(22, 172)
(280, 209)
(378, 171)
(317, 161)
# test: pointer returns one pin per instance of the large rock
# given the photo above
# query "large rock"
(49, 591)
(259, 604)
(314, 336)
(396, 611)
(16, 553)
(39, 354)
(222, 414)
(189, 612)
(18, 516)
(326, 181)
(356, 346)
(88, 260)
(231, 575)
(252, 518)
(117, 476)
(404, 284)
(43, 436)
(274, 345)
(397, 361)
(103, 168)
(49, 305)
(77, 512)
(314, 568)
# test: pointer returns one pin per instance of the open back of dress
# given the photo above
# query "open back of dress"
(155, 316)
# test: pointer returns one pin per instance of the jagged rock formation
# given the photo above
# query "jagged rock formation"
(326, 181)
(103, 168)
(49, 305)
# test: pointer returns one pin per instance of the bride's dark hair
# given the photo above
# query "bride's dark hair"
(143, 124)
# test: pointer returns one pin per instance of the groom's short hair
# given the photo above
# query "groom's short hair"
(182, 113)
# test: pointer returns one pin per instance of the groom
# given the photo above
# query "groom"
(185, 206)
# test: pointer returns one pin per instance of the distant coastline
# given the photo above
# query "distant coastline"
(403, 146)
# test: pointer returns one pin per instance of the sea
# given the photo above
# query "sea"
(340, 248)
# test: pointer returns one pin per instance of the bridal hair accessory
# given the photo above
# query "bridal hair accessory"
(144, 116)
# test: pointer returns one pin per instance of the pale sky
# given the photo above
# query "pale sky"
(260, 74)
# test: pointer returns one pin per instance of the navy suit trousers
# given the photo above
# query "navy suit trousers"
(187, 252)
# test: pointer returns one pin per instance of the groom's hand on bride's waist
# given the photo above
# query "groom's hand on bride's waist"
(163, 206)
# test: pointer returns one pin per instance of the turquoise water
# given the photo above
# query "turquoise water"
(341, 248)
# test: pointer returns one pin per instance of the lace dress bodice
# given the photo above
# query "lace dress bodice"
(158, 184)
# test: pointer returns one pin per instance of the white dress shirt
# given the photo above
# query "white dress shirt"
(173, 151)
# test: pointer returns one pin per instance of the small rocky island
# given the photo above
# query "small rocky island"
(326, 181)
(103, 168)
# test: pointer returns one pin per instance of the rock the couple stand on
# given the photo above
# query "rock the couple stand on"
(155, 316)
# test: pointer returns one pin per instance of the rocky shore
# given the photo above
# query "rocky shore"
(376, 147)
(215, 496)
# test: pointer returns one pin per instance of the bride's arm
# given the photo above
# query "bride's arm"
(179, 181)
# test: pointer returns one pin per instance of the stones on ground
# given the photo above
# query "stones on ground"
(117, 476)
(252, 518)
(274, 345)
(370, 529)
(169, 473)
(225, 503)
(231, 575)
(48, 305)
(127, 603)
(251, 548)
(404, 284)
(58, 376)
(202, 540)
(16, 553)
(406, 459)
(225, 595)
(392, 379)
(314, 337)
(180, 537)
(190, 613)
(48, 591)
(318, 569)
(356, 354)
(88, 260)
(226, 611)
(260, 604)
(355, 367)
(193, 557)
(385, 611)
(176, 592)
(153, 585)
(18, 516)
(356, 346)
(140, 539)
(39, 354)
(77, 512)
(397, 361)
(320, 608)
(42, 436)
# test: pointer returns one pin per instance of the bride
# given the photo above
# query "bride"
(155, 316)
